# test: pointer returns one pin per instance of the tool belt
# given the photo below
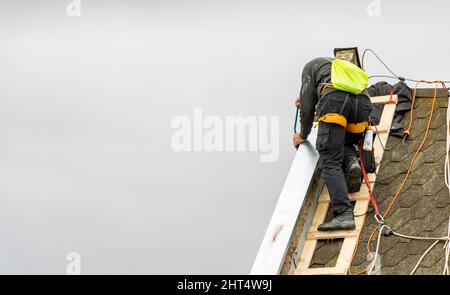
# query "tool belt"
(339, 118)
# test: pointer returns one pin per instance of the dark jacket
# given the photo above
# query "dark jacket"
(315, 72)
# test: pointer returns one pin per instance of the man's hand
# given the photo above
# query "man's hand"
(297, 102)
(298, 140)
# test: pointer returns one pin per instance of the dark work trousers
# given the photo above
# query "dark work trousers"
(336, 147)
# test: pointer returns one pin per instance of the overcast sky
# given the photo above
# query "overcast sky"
(86, 105)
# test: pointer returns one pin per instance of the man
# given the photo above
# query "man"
(335, 143)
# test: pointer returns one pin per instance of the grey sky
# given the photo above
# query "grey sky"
(86, 163)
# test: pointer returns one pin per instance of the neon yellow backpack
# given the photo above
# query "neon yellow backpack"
(348, 77)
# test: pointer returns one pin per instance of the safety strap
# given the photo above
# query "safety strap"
(334, 118)
(326, 88)
(367, 181)
(357, 127)
(391, 99)
(341, 120)
(344, 104)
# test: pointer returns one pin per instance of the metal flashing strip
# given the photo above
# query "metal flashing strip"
(278, 236)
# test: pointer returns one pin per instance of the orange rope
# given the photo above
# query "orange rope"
(407, 132)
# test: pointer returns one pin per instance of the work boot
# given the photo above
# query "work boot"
(344, 221)
(353, 176)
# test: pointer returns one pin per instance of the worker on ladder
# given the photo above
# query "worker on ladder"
(335, 90)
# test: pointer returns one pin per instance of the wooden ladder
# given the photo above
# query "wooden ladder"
(362, 200)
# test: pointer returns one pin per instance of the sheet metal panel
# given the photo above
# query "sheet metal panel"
(279, 233)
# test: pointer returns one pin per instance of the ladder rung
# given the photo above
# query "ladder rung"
(359, 198)
(322, 271)
(384, 99)
(352, 197)
(372, 178)
(328, 235)
(381, 129)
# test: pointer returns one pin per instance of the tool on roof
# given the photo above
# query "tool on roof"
(367, 152)
(368, 141)
(350, 54)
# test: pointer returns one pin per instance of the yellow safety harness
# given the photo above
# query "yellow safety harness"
(340, 119)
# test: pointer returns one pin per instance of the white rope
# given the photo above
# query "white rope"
(447, 149)
(447, 251)
(423, 256)
(447, 177)
(374, 259)
(445, 239)
(436, 241)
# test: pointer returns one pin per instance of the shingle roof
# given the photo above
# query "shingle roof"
(423, 208)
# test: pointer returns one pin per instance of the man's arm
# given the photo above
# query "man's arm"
(309, 98)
